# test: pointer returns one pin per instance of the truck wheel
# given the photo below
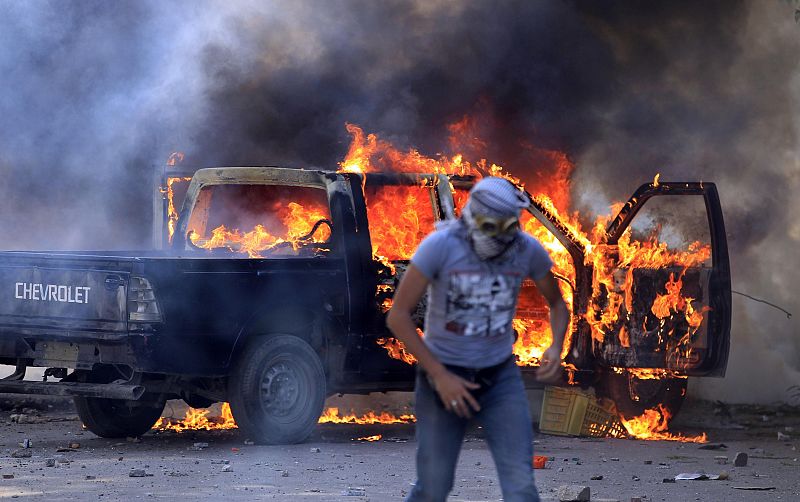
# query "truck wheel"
(115, 418)
(277, 390)
(633, 396)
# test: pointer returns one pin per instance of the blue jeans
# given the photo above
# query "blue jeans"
(506, 421)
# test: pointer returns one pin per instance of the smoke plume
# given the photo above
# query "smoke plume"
(96, 95)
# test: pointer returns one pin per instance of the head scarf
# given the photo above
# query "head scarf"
(496, 198)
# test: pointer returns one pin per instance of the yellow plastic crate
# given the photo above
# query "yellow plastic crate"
(572, 412)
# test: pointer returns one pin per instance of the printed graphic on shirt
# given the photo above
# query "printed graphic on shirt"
(481, 304)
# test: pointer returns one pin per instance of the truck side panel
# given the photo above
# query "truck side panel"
(208, 304)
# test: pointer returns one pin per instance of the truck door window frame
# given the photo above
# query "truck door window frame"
(719, 297)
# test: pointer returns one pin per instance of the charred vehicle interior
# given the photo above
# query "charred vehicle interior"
(268, 289)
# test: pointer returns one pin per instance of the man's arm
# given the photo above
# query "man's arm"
(550, 368)
(451, 388)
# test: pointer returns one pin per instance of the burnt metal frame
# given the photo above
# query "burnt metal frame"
(719, 284)
(160, 202)
(324, 180)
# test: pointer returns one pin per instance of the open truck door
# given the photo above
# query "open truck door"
(661, 305)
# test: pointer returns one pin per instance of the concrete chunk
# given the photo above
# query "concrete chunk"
(573, 493)
(740, 460)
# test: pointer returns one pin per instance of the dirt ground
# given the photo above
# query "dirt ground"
(334, 465)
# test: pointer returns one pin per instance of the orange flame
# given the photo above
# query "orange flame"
(653, 424)
(649, 373)
(400, 217)
(172, 212)
(175, 158)
(368, 154)
(376, 437)
(333, 416)
(297, 220)
(197, 419)
(397, 350)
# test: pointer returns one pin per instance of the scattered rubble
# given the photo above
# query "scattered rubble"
(22, 418)
(288, 470)
(22, 453)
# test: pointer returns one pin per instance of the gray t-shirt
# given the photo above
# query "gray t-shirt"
(472, 302)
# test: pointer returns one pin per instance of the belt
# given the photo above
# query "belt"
(483, 376)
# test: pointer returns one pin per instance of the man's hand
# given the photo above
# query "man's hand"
(455, 394)
(550, 369)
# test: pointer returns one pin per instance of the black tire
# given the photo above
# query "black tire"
(277, 390)
(633, 396)
(115, 418)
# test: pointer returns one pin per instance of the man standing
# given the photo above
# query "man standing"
(473, 268)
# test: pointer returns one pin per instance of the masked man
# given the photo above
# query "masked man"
(473, 268)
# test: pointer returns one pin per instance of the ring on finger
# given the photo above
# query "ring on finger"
(454, 403)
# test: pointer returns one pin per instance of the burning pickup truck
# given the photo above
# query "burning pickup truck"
(272, 288)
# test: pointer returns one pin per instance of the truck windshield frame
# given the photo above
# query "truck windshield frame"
(205, 179)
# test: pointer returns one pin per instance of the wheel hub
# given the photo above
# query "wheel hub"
(280, 389)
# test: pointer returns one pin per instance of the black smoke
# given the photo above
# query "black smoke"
(95, 95)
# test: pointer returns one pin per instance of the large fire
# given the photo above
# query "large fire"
(395, 239)
(400, 217)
